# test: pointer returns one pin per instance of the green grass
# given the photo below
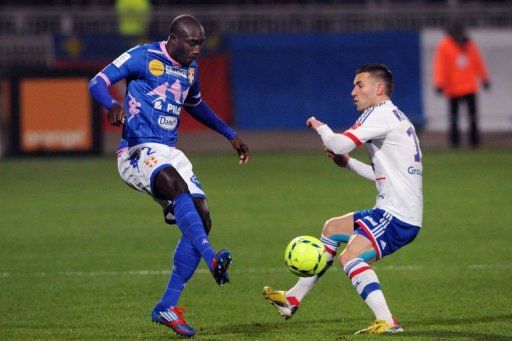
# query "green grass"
(75, 242)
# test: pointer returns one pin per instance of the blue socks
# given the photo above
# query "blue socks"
(186, 260)
(191, 225)
(193, 245)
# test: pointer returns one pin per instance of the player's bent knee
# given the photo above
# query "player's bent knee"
(338, 226)
(330, 228)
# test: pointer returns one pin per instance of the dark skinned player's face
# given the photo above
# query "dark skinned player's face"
(186, 45)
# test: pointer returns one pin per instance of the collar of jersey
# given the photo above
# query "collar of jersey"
(164, 50)
(379, 104)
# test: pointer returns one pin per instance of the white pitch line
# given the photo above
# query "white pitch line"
(489, 266)
(6, 274)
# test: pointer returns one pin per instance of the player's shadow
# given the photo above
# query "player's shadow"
(255, 329)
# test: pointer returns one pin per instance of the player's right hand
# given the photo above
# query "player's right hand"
(116, 115)
(313, 123)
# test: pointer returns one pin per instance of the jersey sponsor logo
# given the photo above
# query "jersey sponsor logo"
(121, 59)
(191, 74)
(173, 108)
(167, 122)
(176, 71)
(156, 67)
(415, 171)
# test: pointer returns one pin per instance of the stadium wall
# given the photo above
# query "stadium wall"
(280, 80)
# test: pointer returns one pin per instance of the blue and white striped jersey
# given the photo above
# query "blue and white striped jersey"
(157, 87)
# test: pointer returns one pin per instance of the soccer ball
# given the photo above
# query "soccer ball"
(305, 256)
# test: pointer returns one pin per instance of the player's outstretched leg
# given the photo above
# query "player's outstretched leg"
(278, 299)
(190, 223)
(172, 317)
(287, 302)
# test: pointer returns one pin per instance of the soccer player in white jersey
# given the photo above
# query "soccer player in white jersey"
(394, 221)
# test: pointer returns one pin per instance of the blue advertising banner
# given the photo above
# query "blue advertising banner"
(278, 81)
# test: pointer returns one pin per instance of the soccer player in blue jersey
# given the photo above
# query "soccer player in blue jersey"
(161, 78)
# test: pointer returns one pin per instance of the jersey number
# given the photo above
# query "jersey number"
(417, 156)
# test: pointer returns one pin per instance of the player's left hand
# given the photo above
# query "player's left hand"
(241, 148)
(313, 123)
(339, 160)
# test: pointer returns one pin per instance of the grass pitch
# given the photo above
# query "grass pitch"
(82, 256)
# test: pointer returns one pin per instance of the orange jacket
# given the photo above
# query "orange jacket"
(457, 69)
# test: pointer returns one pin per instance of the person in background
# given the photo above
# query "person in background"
(134, 17)
(458, 70)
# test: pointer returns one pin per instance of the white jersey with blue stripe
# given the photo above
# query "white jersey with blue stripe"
(396, 159)
(157, 87)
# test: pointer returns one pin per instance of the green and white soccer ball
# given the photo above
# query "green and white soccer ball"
(305, 256)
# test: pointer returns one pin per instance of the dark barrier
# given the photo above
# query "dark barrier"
(280, 80)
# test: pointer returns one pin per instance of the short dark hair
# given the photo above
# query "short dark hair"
(379, 71)
(178, 24)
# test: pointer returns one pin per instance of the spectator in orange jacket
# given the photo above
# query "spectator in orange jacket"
(458, 69)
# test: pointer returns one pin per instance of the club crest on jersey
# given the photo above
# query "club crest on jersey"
(156, 67)
(167, 122)
(191, 74)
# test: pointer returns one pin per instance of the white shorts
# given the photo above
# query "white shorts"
(138, 166)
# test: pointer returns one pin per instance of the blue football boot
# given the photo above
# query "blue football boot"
(220, 265)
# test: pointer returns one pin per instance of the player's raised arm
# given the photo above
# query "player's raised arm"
(98, 88)
(337, 143)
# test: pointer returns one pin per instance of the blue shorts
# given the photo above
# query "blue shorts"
(386, 233)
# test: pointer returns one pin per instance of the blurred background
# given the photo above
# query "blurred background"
(266, 67)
